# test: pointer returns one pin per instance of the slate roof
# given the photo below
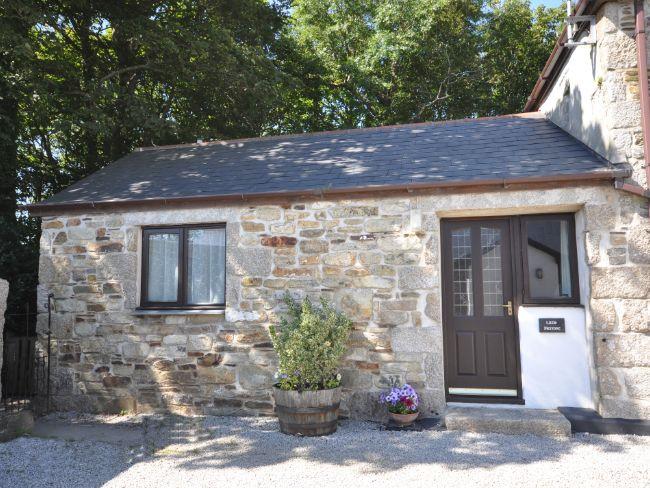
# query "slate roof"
(508, 147)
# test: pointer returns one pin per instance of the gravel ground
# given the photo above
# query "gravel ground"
(241, 452)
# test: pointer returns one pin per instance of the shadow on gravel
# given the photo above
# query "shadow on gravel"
(95, 452)
(249, 443)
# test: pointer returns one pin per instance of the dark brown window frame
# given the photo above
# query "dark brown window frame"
(181, 303)
(573, 261)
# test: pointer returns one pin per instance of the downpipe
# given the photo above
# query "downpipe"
(642, 63)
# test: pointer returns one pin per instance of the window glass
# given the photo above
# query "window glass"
(162, 278)
(492, 279)
(206, 252)
(549, 258)
(461, 247)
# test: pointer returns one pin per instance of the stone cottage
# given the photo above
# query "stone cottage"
(495, 260)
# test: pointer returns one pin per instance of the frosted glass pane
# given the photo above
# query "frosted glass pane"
(492, 276)
(206, 253)
(461, 248)
(162, 280)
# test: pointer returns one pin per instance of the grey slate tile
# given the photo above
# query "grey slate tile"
(471, 150)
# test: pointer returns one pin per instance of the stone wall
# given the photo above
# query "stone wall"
(377, 259)
(620, 308)
(4, 292)
(596, 94)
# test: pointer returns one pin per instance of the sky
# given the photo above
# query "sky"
(548, 3)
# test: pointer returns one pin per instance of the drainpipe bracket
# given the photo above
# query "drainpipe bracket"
(635, 189)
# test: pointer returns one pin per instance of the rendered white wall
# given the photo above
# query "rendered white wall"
(595, 95)
(554, 366)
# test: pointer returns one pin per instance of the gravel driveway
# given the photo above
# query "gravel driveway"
(244, 452)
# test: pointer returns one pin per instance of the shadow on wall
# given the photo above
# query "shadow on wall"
(568, 114)
(111, 361)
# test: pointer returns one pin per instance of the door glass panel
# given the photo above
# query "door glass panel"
(549, 265)
(461, 247)
(162, 279)
(492, 277)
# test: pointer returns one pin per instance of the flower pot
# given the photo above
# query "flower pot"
(308, 413)
(403, 419)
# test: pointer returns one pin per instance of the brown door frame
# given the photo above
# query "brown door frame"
(515, 247)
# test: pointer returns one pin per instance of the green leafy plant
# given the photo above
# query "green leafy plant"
(310, 342)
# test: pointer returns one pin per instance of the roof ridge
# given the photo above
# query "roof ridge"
(528, 115)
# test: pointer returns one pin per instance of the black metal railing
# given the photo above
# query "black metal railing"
(26, 372)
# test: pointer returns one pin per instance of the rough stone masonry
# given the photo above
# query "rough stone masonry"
(377, 259)
(603, 110)
(596, 94)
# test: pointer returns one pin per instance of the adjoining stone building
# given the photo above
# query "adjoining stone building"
(489, 260)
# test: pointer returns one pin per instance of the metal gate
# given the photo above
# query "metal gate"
(26, 373)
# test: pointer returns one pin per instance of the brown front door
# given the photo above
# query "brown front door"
(480, 335)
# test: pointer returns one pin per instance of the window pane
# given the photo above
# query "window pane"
(549, 266)
(162, 278)
(492, 279)
(461, 247)
(206, 252)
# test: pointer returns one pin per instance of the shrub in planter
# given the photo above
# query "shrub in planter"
(309, 342)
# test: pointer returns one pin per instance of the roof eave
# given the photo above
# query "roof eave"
(549, 71)
(53, 209)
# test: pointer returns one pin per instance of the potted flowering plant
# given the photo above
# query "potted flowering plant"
(402, 403)
(309, 342)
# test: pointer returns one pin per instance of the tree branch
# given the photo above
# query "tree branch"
(443, 88)
(128, 69)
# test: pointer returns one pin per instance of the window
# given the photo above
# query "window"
(461, 246)
(549, 259)
(184, 267)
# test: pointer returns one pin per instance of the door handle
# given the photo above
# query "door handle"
(508, 307)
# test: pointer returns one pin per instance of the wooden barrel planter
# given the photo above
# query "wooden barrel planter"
(308, 413)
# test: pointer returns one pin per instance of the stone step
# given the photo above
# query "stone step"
(550, 423)
(14, 424)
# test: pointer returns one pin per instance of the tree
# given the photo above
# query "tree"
(515, 43)
(83, 82)
(18, 241)
(389, 62)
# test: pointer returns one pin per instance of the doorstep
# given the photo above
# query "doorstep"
(515, 421)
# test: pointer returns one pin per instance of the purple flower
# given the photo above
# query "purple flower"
(402, 399)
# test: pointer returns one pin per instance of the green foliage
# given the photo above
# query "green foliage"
(389, 62)
(515, 43)
(310, 343)
(83, 82)
(386, 61)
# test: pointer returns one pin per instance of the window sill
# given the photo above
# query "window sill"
(168, 311)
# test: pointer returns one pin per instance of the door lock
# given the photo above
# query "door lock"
(508, 307)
